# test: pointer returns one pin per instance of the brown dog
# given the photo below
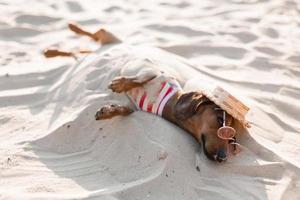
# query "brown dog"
(157, 92)
(191, 111)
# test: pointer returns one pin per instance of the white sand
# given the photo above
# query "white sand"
(52, 148)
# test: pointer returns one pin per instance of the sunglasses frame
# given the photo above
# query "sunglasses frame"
(236, 147)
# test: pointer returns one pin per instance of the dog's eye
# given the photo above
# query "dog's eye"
(220, 120)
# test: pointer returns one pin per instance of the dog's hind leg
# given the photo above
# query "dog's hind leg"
(102, 35)
(50, 53)
(125, 83)
(110, 111)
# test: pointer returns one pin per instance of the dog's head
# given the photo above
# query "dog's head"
(202, 118)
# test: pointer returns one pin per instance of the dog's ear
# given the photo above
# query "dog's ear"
(188, 104)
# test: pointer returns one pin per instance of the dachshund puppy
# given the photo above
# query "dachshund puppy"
(158, 93)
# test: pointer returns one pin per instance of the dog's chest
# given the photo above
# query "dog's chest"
(153, 96)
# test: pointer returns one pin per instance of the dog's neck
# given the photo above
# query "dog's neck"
(168, 114)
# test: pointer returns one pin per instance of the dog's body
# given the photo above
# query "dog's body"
(155, 91)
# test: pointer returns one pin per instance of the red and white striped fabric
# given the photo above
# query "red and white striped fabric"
(153, 97)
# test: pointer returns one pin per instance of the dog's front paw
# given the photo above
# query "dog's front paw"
(109, 111)
(106, 112)
(101, 113)
(118, 84)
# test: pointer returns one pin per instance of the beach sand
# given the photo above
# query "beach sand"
(52, 148)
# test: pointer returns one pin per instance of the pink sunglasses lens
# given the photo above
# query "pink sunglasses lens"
(234, 148)
(226, 132)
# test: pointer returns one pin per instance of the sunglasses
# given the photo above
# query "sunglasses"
(228, 133)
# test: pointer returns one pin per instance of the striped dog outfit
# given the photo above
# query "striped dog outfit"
(153, 96)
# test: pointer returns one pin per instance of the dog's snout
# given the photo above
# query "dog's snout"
(221, 155)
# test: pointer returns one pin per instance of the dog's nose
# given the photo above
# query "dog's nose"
(221, 155)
